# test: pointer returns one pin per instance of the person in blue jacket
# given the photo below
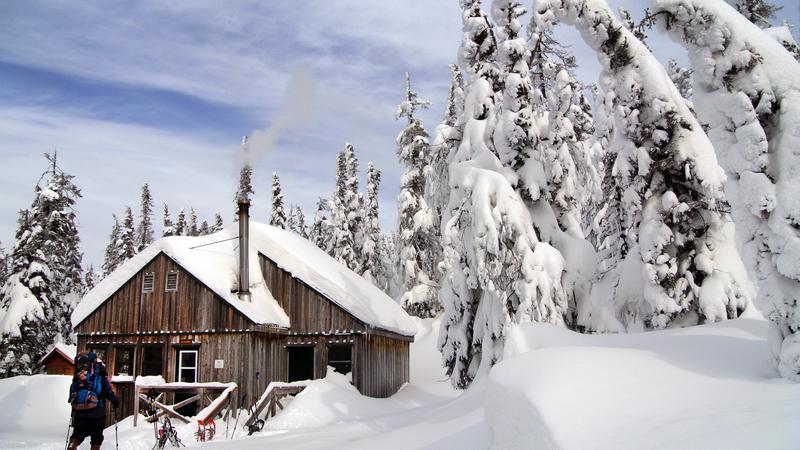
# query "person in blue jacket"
(89, 414)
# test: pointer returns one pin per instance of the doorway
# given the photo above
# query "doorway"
(301, 363)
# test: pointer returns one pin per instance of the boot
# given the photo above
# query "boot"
(73, 444)
(94, 447)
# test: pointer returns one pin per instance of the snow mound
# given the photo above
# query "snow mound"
(709, 386)
(35, 409)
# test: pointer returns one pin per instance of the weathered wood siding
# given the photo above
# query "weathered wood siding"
(244, 354)
(58, 365)
(383, 365)
(308, 310)
(191, 307)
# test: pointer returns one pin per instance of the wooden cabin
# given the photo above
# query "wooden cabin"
(178, 309)
(60, 360)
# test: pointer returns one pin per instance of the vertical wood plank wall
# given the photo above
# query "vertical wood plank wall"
(195, 317)
(383, 365)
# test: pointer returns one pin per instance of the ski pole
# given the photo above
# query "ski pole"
(69, 425)
(116, 434)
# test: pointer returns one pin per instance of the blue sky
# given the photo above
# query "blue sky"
(161, 92)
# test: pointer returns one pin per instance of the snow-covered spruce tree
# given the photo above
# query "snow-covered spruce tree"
(444, 144)
(167, 227)
(783, 34)
(47, 276)
(391, 266)
(497, 271)
(354, 204)
(3, 266)
(89, 278)
(203, 229)
(26, 332)
(245, 188)
(372, 248)
(418, 244)
(300, 222)
(144, 231)
(192, 228)
(747, 89)
(218, 225)
(126, 246)
(681, 78)
(679, 265)
(180, 224)
(111, 256)
(760, 12)
(277, 217)
(603, 219)
(342, 244)
(320, 233)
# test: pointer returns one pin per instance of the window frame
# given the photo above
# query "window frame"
(180, 366)
(350, 361)
(173, 273)
(152, 284)
(118, 349)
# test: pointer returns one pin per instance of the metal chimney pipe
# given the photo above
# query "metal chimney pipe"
(244, 246)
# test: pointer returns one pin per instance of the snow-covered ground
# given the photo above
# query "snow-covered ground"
(705, 387)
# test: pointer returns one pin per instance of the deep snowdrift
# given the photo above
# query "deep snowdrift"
(703, 387)
(709, 386)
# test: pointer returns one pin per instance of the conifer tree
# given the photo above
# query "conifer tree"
(760, 12)
(89, 278)
(750, 92)
(372, 253)
(144, 231)
(3, 266)
(353, 205)
(180, 224)
(204, 229)
(277, 216)
(320, 233)
(47, 277)
(111, 258)
(491, 280)
(417, 245)
(299, 222)
(218, 225)
(443, 147)
(342, 243)
(168, 228)
(126, 247)
(192, 228)
(677, 243)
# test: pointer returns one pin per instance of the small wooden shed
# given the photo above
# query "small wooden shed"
(60, 360)
(178, 309)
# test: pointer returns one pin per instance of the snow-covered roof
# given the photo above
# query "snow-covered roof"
(67, 351)
(213, 260)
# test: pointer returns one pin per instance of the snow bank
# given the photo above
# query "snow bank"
(708, 386)
(35, 409)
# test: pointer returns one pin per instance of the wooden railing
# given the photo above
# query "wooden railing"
(201, 391)
(270, 401)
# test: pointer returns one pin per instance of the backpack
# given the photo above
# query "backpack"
(87, 385)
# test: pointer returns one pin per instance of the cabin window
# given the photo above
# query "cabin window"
(123, 361)
(152, 360)
(149, 282)
(301, 363)
(340, 357)
(187, 366)
(172, 281)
